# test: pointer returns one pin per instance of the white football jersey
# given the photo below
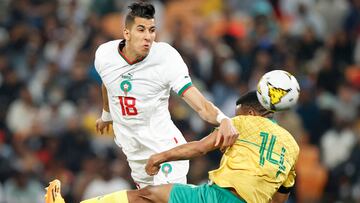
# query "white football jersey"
(138, 97)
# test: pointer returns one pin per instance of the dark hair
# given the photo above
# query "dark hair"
(250, 100)
(139, 9)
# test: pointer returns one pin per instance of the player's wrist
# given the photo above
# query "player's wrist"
(161, 158)
(221, 116)
(106, 116)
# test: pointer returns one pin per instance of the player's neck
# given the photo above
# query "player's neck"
(130, 54)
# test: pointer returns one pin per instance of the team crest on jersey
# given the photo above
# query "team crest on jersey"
(276, 94)
(166, 169)
(126, 86)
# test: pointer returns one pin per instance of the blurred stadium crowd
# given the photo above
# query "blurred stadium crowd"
(50, 93)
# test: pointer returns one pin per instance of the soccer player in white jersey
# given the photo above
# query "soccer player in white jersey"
(137, 75)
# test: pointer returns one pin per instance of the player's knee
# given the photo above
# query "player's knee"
(146, 191)
(144, 194)
(140, 196)
(151, 193)
(159, 194)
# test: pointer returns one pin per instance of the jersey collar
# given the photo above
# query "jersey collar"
(273, 120)
(120, 47)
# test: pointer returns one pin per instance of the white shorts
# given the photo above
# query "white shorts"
(139, 145)
(170, 172)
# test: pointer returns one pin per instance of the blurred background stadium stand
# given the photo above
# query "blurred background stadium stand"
(50, 92)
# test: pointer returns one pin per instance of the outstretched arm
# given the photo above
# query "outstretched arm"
(206, 110)
(210, 113)
(182, 152)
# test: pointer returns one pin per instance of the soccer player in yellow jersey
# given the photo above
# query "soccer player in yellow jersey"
(259, 167)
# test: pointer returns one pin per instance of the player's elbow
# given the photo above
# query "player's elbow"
(201, 149)
(202, 152)
(279, 197)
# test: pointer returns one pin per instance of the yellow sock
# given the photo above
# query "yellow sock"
(115, 197)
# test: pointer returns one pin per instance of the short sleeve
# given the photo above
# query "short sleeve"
(290, 181)
(97, 62)
(178, 74)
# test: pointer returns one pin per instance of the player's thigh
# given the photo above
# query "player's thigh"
(159, 193)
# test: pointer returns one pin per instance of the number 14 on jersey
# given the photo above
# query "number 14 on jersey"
(269, 154)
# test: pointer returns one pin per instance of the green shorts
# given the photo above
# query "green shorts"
(181, 193)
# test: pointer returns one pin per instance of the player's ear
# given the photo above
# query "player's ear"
(252, 112)
(126, 33)
(238, 110)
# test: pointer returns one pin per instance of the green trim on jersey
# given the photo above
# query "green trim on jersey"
(273, 120)
(180, 93)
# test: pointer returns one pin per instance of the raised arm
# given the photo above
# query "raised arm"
(210, 113)
(182, 152)
(206, 110)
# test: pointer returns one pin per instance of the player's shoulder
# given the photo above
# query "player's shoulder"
(164, 47)
(107, 46)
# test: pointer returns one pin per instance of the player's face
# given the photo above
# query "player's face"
(140, 35)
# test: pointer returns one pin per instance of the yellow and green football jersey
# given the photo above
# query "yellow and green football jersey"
(261, 160)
